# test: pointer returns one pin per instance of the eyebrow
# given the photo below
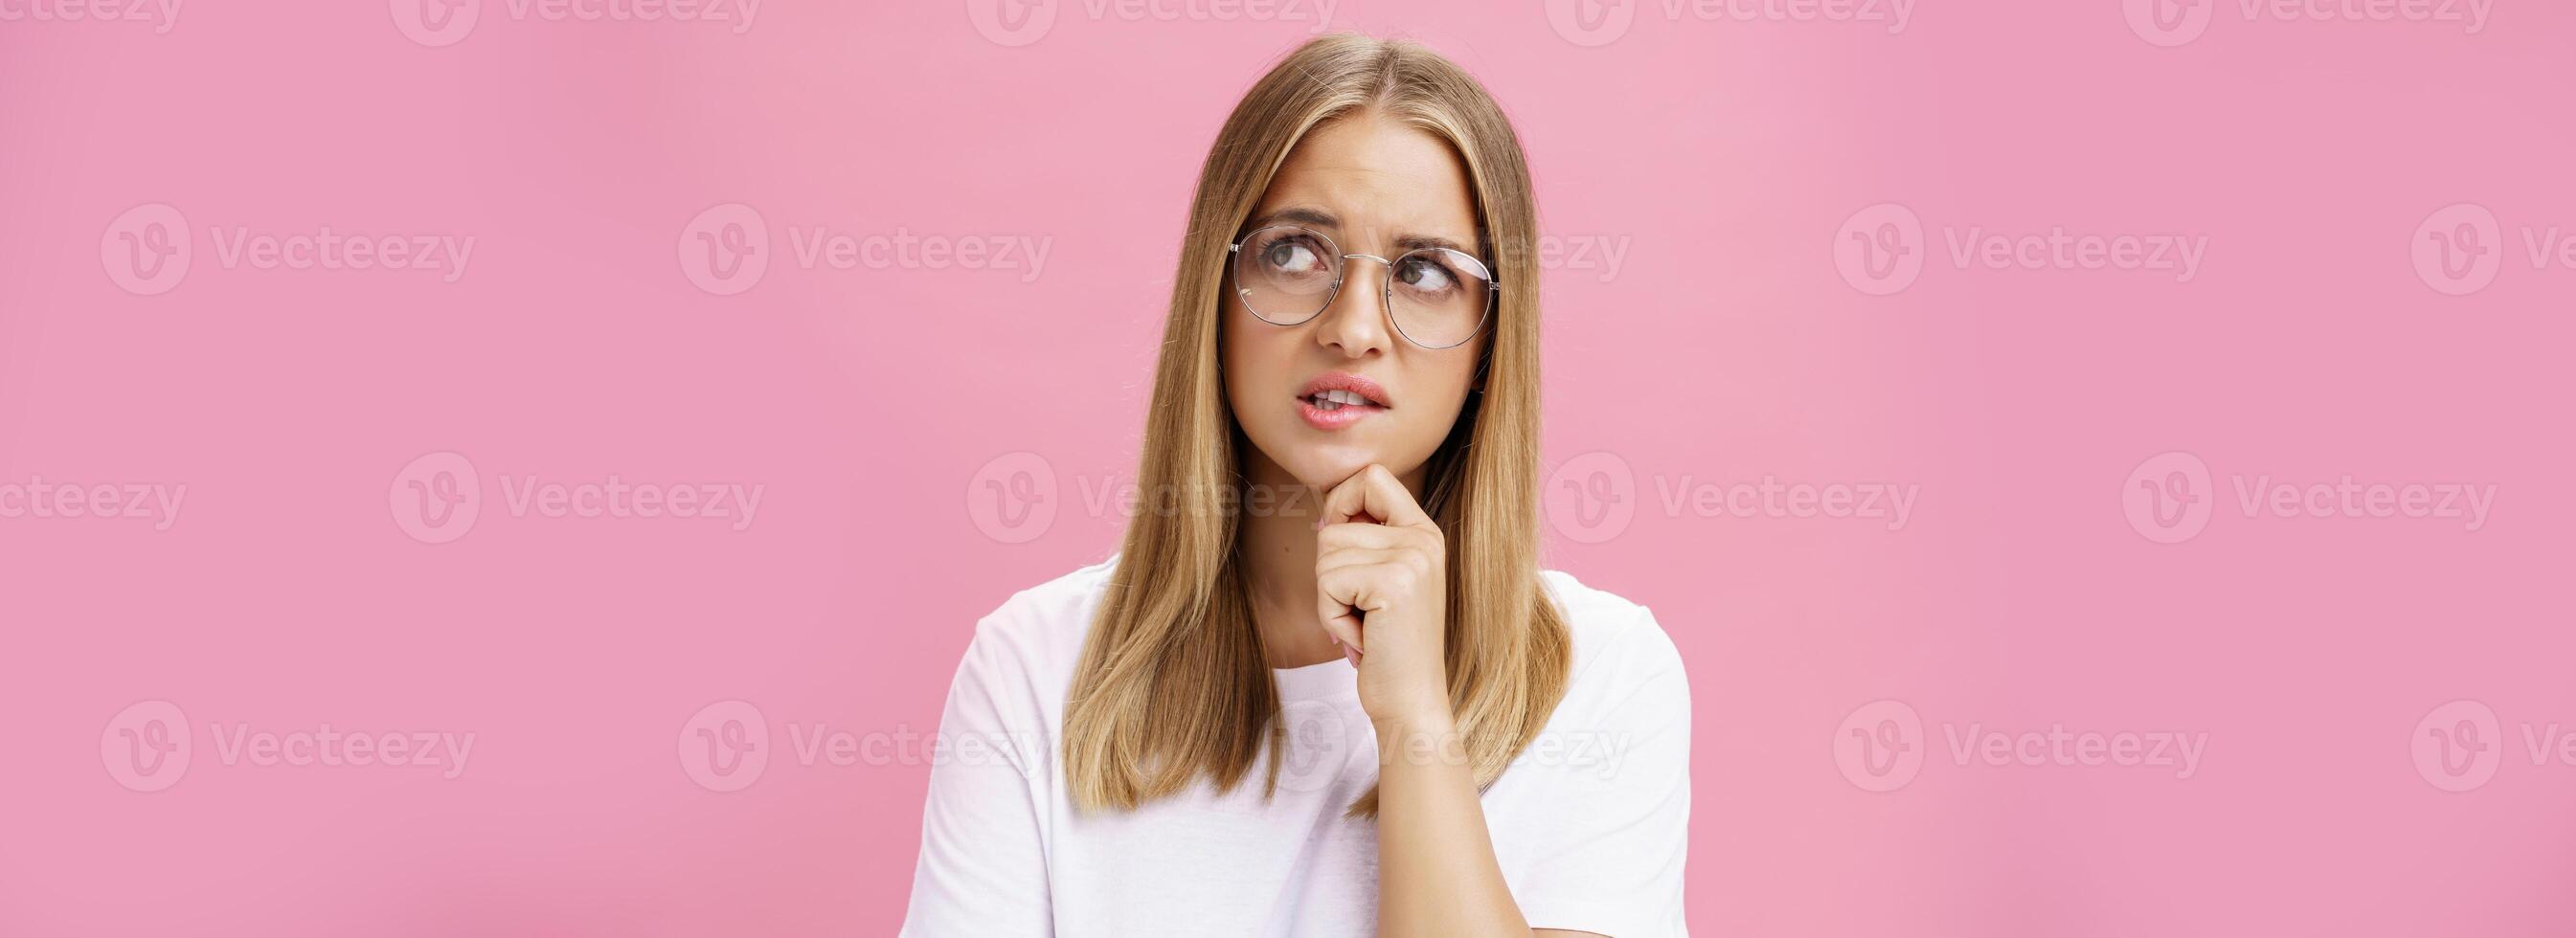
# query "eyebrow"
(1318, 218)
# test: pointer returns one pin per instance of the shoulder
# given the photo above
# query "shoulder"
(1037, 633)
(1619, 646)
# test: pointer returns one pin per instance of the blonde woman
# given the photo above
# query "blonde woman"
(1324, 687)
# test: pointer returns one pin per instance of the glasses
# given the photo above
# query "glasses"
(1437, 297)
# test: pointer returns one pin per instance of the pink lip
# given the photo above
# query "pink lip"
(1347, 414)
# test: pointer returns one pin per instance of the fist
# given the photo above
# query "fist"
(1382, 569)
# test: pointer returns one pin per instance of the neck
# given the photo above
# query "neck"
(1276, 546)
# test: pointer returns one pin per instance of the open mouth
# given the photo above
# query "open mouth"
(1330, 401)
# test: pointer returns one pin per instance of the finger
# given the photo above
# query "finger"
(1357, 534)
(1338, 596)
(1358, 557)
(1375, 493)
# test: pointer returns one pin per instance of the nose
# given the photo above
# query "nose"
(1356, 322)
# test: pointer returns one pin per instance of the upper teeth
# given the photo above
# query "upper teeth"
(1341, 397)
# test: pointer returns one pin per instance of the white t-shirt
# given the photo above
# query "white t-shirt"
(1588, 821)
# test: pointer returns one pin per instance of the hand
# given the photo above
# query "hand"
(1383, 570)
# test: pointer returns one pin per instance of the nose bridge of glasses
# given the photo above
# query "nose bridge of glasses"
(1385, 290)
(1380, 300)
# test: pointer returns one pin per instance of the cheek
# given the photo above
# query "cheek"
(1248, 360)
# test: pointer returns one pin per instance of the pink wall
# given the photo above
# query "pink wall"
(1740, 166)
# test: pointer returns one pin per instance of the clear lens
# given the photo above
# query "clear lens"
(1286, 275)
(1439, 296)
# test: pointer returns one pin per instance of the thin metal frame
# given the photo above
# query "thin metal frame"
(1386, 291)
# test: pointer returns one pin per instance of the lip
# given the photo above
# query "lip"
(1347, 414)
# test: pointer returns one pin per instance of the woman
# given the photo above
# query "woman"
(1331, 584)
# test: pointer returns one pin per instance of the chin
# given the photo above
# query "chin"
(1326, 465)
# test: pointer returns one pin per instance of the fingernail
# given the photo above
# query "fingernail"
(1351, 654)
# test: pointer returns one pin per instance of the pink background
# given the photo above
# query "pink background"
(293, 588)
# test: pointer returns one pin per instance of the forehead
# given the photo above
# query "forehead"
(1383, 179)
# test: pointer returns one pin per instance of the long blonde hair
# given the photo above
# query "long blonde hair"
(1173, 682)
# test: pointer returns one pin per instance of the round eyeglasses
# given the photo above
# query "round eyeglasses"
(1437, 297)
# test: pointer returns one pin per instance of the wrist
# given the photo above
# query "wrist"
(1424, 715)
(1419, 738)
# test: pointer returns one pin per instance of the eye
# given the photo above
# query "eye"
(1292, 256)
(1424, 275)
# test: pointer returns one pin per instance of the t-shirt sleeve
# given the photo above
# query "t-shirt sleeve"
(1601, 820)
(982, 869)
